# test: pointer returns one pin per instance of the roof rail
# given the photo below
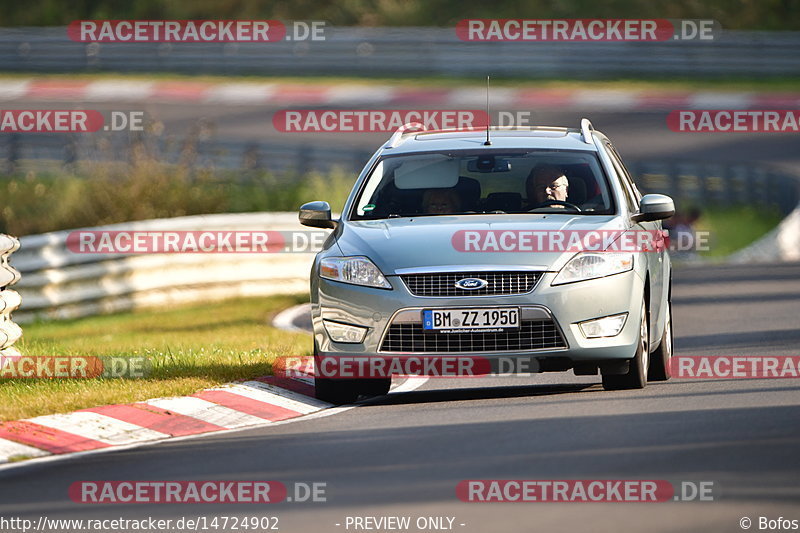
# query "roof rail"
(586, 131)
(405, 129)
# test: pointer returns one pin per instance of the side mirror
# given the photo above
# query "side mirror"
(654, 207)
(317, 215)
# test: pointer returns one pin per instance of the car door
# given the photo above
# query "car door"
(657, 261)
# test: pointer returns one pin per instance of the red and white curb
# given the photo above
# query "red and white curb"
(348, 95)
(264, 401)
(259, 402)
(235, 406)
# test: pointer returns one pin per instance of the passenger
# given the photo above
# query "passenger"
(441, 202)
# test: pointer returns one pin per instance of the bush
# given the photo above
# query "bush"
(109, 193)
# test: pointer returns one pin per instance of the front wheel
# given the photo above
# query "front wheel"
(335, 391)
(660, 369)
(341, 391)
(636, 378)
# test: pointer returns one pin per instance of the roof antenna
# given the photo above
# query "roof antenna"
(488, 118)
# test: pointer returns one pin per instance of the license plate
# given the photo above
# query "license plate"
(483, 320)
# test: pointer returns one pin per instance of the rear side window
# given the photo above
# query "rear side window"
(629, 190)
(628, 175)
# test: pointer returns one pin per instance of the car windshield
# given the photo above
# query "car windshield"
(442, 183)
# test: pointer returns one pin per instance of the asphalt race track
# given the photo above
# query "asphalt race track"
(638, 135)
(404, 454)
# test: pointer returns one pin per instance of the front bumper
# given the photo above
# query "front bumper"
(567, 306)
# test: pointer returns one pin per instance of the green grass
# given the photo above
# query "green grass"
(19, 458)
(732, 229)
(189, 348)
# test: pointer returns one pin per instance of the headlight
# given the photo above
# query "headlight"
(594, 265)
(355, 270)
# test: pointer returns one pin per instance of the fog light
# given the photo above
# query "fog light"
(608, 326)
(344, 332)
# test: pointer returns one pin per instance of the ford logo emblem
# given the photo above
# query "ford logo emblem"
(471, 284)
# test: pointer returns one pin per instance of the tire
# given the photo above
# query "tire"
(661, 358)
(341, 391)
(335, 391)
(636, 378)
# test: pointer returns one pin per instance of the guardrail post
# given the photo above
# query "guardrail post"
(13, 154)
(9, 300)
(674, 180)
(733, 188)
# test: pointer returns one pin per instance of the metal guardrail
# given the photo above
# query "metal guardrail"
(58, 283)
(37, 151)
(409, 52)
(719, 184)
(9, 300)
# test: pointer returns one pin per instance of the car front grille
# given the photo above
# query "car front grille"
(531, 335)
(443, 284)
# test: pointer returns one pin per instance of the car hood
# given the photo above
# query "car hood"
(394, 244)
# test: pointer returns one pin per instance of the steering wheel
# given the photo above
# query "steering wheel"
(548, 203)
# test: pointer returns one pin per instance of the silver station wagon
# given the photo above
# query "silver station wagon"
(509, 244)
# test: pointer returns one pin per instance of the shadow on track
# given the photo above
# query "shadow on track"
(478, 393)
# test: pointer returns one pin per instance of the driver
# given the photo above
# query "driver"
(546, 183)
